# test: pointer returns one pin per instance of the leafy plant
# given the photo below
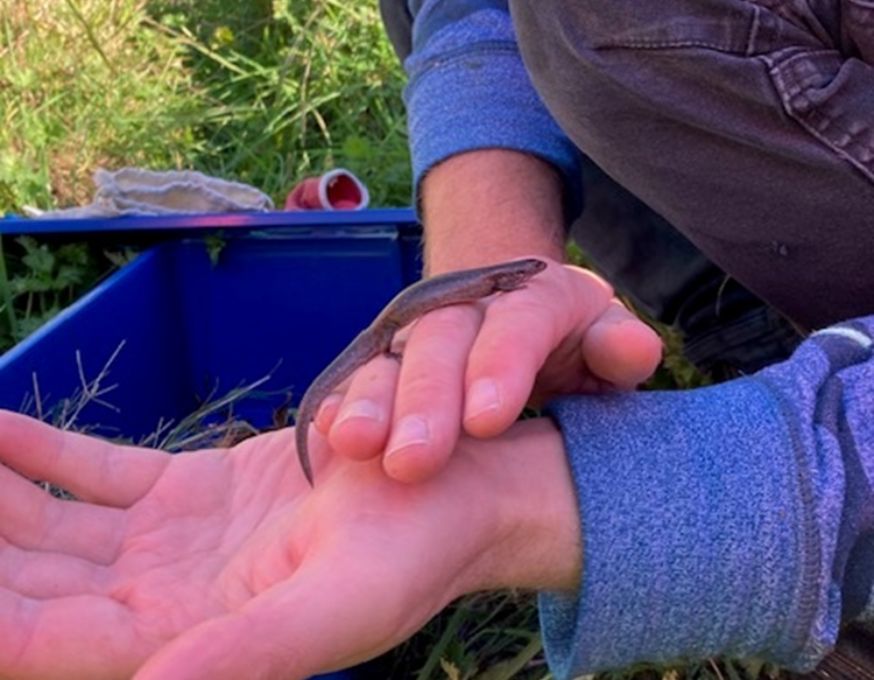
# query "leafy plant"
(39, 282)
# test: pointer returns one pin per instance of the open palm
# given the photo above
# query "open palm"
(219, 563)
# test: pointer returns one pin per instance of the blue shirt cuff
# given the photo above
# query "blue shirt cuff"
(483, 99)
(695, 535)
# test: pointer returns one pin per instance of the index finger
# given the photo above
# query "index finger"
(90, 468)
(319, 621)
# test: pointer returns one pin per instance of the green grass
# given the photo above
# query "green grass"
(293, 91)
(233, 89)
(82, 85)
(263, 92)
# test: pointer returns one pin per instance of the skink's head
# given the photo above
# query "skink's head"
(513, 275)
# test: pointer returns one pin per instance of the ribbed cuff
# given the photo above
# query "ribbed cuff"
(483, 99)
(694, 532)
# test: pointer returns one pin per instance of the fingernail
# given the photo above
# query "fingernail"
(362, 408)
(482, 396)
(409, 431)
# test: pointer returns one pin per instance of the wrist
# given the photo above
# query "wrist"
(532, 537)
(491, 205)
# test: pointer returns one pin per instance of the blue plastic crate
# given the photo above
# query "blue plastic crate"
(283, 299)
(280, 302)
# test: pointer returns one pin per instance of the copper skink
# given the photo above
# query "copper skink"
(420, 298)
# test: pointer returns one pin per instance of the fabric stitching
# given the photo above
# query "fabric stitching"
(450, 57)
(663, 45)
(815, 121)
(754, 30)
(810, 541)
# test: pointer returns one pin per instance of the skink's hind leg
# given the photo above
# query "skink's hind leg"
(281, 413)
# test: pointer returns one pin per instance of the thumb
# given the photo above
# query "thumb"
(620, 348)
(289, 632)
(225, 648)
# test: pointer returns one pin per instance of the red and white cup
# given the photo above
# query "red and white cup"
(337, 189)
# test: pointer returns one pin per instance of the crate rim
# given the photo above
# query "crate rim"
(186, 223)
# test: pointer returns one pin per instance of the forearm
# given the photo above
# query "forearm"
(487, 206)
(492, 171)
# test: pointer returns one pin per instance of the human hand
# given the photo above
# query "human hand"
(476, 366)
(225, 564)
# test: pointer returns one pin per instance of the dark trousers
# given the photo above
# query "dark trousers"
(727, 331)
(732, 158)
(744, 125)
